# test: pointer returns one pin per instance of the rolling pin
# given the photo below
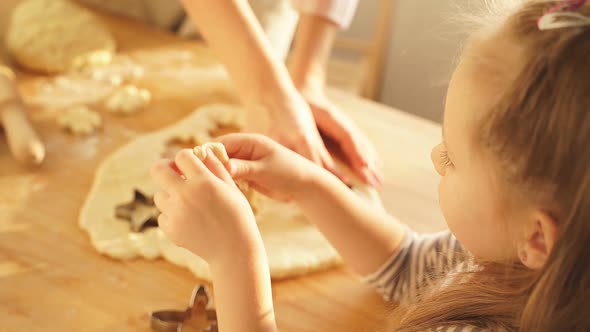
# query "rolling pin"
(23, 142)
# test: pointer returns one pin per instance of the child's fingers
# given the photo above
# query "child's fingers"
(217, 168)
(163, 221)
(160, 200)
(164, 176)
(175, 168)
(246, 146)
(189, 164)
(243, 169)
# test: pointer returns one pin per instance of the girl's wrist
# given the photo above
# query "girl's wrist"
(243, 294)
(314, 185)
(251, 250)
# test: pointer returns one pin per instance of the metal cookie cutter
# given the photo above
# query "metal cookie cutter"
(198, 317)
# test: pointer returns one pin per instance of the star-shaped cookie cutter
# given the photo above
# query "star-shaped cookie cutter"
(141, 212)
(198, 317)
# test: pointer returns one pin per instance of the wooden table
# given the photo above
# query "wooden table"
(51, 279)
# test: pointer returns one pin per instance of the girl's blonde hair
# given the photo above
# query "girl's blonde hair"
(538, 135)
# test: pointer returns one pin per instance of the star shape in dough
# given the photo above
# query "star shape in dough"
(141, 212)
(178, 143)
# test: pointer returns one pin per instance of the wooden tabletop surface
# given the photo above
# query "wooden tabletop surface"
(51, 279)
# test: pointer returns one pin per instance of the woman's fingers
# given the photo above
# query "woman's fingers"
(330, 165)
(363, 158)
(356, 148)
(309, 150)
(359, 159)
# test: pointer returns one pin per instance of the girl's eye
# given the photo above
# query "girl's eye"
(444, 158)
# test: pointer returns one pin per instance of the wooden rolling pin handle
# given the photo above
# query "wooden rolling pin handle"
(24, 144)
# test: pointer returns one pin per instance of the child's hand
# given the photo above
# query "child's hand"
(205, 213)
(268, 166)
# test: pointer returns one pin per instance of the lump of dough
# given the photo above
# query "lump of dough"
(51, 36)
(128, 99)
(219, 151)
(79, 120)
(217, 148)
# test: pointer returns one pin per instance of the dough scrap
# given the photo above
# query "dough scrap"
(80, 120)
(53, 36)
(128, 99)
(93, 59)
(294, 246)
(217, 148)
(219, 151)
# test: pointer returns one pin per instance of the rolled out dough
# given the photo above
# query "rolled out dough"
(293, 245)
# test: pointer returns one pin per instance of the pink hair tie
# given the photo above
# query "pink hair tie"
(563, 15)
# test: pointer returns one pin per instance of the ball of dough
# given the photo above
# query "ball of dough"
(80, 120)
(128, 99)
(52, 36)
(218, 150)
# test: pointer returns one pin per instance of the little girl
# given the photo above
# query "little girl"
(515, 192)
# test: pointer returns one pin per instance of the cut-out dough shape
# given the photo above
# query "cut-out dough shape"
(176, 144)
(128, 99)
(220, 131)
(53, 36)
(294, 246)
(79, 120)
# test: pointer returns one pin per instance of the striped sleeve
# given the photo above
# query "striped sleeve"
(420, 259)
(340, 12)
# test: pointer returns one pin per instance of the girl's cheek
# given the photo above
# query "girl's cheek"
(441, 195)
(447, 198)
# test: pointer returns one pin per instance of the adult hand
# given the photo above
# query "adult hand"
(358, 151)
(291, 124)
(311, 52)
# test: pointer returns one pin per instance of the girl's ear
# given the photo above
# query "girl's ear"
(540, 236)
